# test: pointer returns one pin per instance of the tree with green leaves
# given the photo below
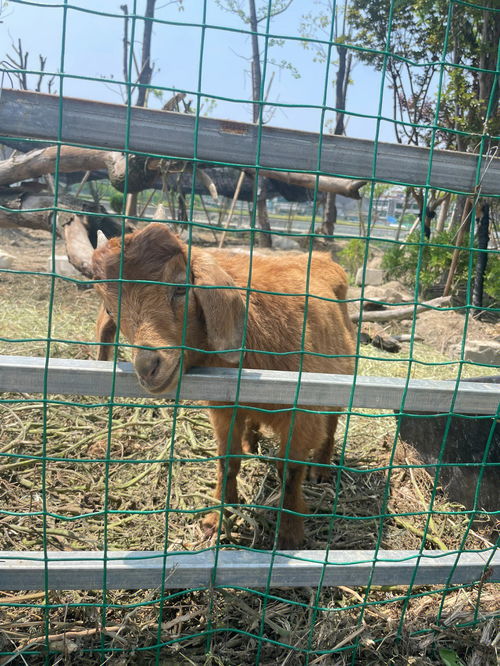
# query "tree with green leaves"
(410, 41)
(419, 36)
(400, 29)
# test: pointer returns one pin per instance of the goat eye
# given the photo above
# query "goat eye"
(180, 290)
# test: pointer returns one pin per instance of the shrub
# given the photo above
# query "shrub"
(116, 202)
(492, 278)
(352, 256)
(402, 262)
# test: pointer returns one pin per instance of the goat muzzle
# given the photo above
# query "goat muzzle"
(156, 373)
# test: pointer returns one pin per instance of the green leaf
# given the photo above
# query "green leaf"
(450, 658)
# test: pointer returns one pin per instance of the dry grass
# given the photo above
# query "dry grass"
(80, 483)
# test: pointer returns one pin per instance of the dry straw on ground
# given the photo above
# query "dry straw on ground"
(142, 439)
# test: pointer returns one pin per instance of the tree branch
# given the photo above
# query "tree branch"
(348, 188)
(72, 159)
(406, 312)
(78, 246)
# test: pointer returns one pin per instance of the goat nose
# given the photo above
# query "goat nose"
(147, 363)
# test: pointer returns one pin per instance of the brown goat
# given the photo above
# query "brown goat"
(152, 316)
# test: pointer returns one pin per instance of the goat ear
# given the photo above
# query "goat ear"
(105, 333)
(223, 309)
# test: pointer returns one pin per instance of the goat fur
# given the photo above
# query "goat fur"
(152, 316)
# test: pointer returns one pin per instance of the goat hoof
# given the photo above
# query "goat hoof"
(210, 525)
(316, 474)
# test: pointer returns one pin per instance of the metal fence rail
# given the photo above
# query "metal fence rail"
(170, 134)
(95, 378)
(84, 570)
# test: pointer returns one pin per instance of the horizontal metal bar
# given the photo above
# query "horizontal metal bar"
(83, 570)
(37, 115)
(75, 377)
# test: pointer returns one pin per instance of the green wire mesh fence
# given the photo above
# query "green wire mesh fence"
(104, 487)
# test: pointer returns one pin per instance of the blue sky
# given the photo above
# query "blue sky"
(93, 48)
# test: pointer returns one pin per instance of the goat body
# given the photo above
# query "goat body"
(152, 318)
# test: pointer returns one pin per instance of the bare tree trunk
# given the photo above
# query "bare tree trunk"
(490, 35)
(143, 81)
(209, 219)
(124, 9)
(233, 204)
(262, 216)
(182, 212)
(131, 206)
(458, 212)
(362, 226)
(443, 214)
(434, 200)
(256, 71)
(483, 238)
(414, 226)
(146, 70)
(341, 83)
(94, 193)
(329, 215)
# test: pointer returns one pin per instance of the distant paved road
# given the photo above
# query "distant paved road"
(301, 226)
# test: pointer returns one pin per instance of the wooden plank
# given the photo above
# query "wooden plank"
(166, 133)
(83, 570)
(94, 378)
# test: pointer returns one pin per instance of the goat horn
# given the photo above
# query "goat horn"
(101, 238)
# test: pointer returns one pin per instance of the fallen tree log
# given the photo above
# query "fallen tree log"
(407, 337)
(42, 161)
(17, 211)
(70, 159)
(77, 244)
(406, 312)
(137, 172)
(36, 211)
(375, 335)
(343, 186)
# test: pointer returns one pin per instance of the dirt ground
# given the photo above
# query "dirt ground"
(379, 497)
(443, 331)
(31, 249)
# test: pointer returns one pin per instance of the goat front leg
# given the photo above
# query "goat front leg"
(291, 533)
(228, 442)
(251, 436)
(323, 454)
